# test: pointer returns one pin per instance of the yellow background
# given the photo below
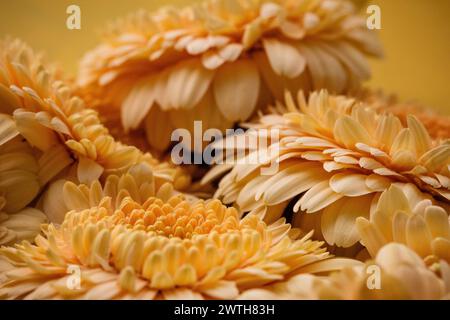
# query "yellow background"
(415, 34)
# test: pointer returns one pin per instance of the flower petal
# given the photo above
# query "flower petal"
(138, 103)
(235, 96)
(350, 185)
(339, 220)
(187, 84)
(284, 58)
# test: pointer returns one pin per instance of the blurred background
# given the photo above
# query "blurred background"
(415, 34)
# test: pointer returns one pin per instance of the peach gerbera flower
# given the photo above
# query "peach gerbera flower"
(412, 218)
(133, 239)
(165, 69)
(402, 275)
(22, 225)
(436, 123)
(47, 114)
(20, 171)
(47, 133)
(336, 156)
(22, 175)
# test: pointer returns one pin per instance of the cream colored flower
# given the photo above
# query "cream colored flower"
(20, 183)
(336, 156)
(402, 275)
(138, 183)
(46, 134)
(133, 239)
(436, 123)
(413, 219)
(67, 137)
(161, 71)
(47, 114)
(20, 179)
(22, 225)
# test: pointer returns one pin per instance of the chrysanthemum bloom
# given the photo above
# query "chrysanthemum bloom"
(397, 273)
(436, 123)
(22, 225)
(21, 174)
(47, 133)
(19, 168)
(161, 71)
(411, 218)
(130, 240)
(336, 155)
(58, 125)
(138, 183)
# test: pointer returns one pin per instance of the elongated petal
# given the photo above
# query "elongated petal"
(339, 220)
(138, 103)
(236, 97)
(284, 58)
(88, 170)
(8, 129)
(187, 84)
(350, 185)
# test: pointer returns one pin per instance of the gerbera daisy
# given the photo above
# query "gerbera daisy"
(138, 183)
(160, 71)
(131, 239)
(336, 155)
(19, 168)
(411, 218)
(22, 225)
(58, 125)
(402, 275)
(436, 123)
(46, 133)
(23, 171)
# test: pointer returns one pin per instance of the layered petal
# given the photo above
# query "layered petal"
(134, 239)
(337, 156)
(172, 58)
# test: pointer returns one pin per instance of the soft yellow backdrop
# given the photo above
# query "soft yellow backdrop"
(416, 36)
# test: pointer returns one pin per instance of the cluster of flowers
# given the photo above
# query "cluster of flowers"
(85, 181)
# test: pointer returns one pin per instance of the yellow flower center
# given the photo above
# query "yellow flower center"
(171, 243)
(177, 218)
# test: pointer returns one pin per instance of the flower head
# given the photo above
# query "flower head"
(401, 275)
(165, 69)
(412, 218)
(436, 123)
(21, 180)
(132, 239)
(336, 156)
(47, 133)
(20, 172)
(47, 114)
(22, 225)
